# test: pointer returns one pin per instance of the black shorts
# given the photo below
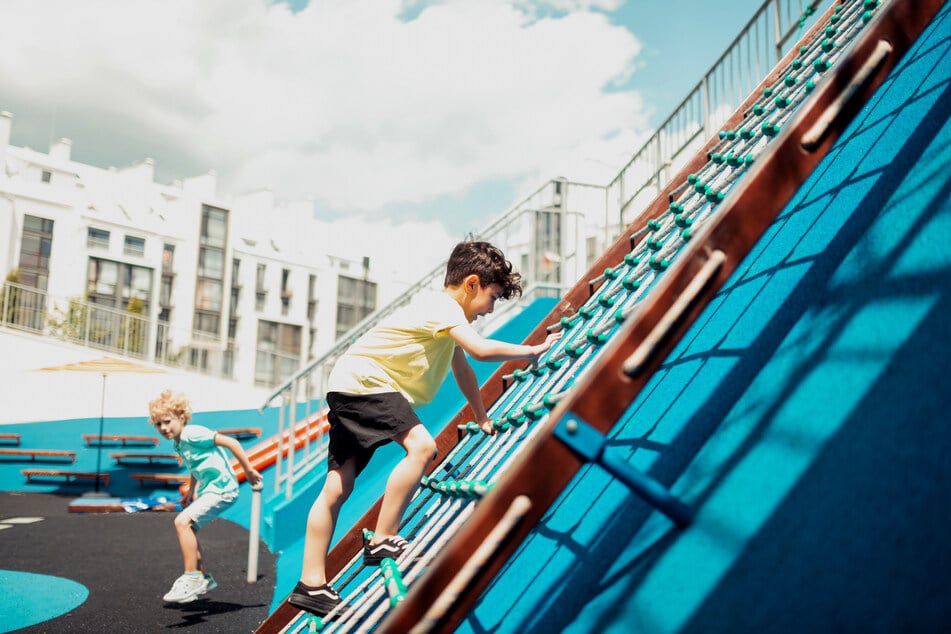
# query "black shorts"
(361, 423)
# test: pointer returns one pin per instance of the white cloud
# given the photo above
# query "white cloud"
(400, 253)
(344, 101)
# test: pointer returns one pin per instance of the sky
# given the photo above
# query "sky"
(410, 120)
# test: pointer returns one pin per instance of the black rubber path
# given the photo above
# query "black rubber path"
(128, 561)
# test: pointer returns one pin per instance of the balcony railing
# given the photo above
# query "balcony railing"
(108, 329)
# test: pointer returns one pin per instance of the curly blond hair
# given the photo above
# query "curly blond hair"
(169, 401)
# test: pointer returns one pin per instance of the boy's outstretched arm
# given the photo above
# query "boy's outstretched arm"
(482, 349)
(250, 473)
(469, 386)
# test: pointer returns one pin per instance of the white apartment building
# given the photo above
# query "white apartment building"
(175, 273)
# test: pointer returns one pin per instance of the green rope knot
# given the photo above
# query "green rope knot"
(597, 338)
(631, 283)
(659, 264)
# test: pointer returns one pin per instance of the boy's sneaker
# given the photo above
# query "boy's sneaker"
(187, 588)
(318, 601)
(210, 583)
(391, 547)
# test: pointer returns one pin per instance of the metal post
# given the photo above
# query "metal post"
(705, 94)
(254, 531)
(292, 426)
(281, 429)
(102, 416)
(778, 33)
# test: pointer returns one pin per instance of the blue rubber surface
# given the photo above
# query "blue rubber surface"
(30, 598)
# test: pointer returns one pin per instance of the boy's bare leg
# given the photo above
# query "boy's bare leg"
(321, 521)
(403, 481)
(187, 541)
(200, 563)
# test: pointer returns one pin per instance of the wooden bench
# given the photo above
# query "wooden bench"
(243, 433)
(119, 439)
(146, 457)
(160, 478)
(51, 474)
(40, 454)
(10, 439)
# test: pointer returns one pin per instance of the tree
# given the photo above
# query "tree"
(10, 298)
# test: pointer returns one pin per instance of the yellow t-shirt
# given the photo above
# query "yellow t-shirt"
(408, 352)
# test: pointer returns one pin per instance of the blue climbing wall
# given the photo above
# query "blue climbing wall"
(804, 417)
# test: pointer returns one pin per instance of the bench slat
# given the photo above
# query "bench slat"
(33, 474)
(146, 457)
(119, 439)
(242, 433)
(39, 454)
(160, 478)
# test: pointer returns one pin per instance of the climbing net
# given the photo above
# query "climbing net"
(469, 470)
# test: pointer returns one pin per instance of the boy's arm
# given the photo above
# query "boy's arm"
(469, 386)
(234, 446)
(189, 494)
(482, 349)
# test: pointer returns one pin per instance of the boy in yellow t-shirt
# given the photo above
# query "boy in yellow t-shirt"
(374, 388)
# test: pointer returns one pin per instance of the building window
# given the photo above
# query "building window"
(209, 283)
(311, 297)
(211, 263)
(214, 226)
(114, 284)
(46, 176)
(97, 238)
(260, 291)
(235, 273)
(198, 358)
(165, 293)
(235, 288)
(207, 323)
(548, 246)
(356, 299)
(134, 246)
(208, 295)
(168, 258)
(167, 283)
(36, 245)
(278, 352)
(285, 291)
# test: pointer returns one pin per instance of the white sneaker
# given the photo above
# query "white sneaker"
(186, 589)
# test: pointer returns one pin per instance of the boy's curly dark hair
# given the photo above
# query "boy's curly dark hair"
(486, 261)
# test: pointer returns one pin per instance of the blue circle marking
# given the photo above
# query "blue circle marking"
(30, 598)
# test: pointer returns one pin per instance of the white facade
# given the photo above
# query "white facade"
(121, 221)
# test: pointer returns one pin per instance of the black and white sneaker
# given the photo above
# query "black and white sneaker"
(391, 547)
(318, 601)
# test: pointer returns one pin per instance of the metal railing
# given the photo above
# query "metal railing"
(756, 49)
(108, 329)
(90, 325)
(589, 216)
